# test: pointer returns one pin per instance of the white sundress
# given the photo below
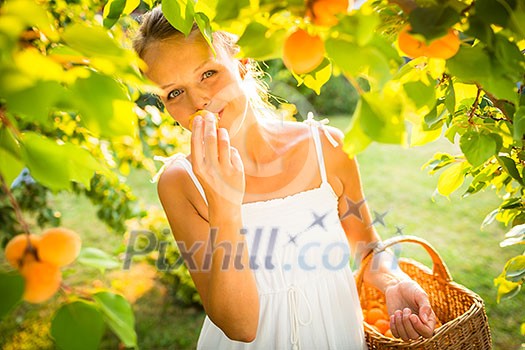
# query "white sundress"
(300, 257)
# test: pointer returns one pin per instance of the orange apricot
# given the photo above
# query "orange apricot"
(389, 334)
(42, 280)
(374, 314)
(444, 47)
(202, 113)
(374, 304)
(382, 325)
(59, 246)
(323, 12)
(302, 52)
(17, 248)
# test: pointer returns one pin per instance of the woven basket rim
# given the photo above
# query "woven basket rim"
(477, 304)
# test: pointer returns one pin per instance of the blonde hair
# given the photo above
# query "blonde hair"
(154, 27)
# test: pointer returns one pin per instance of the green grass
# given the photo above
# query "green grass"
(393, 182)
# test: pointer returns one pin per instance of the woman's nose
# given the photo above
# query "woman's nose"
(200, 101)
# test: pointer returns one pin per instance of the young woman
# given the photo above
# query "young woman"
(265, 212)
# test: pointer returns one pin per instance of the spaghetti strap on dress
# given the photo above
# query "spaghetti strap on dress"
(300, 257)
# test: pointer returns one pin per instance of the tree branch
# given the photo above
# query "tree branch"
(500, 104)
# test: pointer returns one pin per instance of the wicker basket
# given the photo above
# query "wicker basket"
(461, 311)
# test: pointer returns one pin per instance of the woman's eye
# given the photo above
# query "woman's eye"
(174, 94)
(208, 74)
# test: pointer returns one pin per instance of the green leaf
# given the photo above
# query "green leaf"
(355, 140)
(205, 28)
(318, 77)
(477, 147)
(118, 315)
(489, 218)
(480, 30)
(33, 14)
(180, 14)
(37, 66)
(131, 5)
(259, 43)
(516, 235)
(369, 60)
(339, 50)
(55, 165)
(360, 25)
(78, 326)
(509, 57)
(228, 10)
(494, 12)
(104, 106)
(470, 64)
(450, 99)
(438, 161)
(112, 12)
(419, 136)
(433, 120)
(451, 179)
(380, 118)
(44, 96)
(420, 93)
(510, 167)
(506, 288)
(94, 41)
(9, 143)
(208, 7)
(11, 291)
(97, 258)
(519, 124)
(433, 21)
(10, 166)
(515, 269)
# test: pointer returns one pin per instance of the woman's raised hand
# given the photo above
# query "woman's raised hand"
(217, 165)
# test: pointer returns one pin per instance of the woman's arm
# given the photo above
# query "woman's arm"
(405, 298)
(228, 291)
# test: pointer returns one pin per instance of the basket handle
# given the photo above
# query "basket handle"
(438, 269)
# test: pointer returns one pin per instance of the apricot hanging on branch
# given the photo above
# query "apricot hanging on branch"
(59, 246)
(302, 52)
(324, 12)
(444, 47)
(39, 258)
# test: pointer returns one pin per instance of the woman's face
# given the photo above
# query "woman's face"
(192, 78)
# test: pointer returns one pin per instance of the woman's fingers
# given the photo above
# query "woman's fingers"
(197, 146)
(236, 159)
(210, 139)
(426, 322)
(224, 146)
(407, 323)
(398, 321)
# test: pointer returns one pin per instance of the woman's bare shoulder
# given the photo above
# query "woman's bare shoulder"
(173, 182)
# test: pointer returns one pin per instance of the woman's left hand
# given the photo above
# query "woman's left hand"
(411, 315)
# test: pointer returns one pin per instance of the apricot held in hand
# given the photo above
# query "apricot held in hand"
(201, 113)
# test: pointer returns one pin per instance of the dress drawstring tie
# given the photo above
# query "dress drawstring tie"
(321, 123)
(295, 320)
(167, 161)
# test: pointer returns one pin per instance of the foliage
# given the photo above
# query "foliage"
(72, 119)
(68, 87)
